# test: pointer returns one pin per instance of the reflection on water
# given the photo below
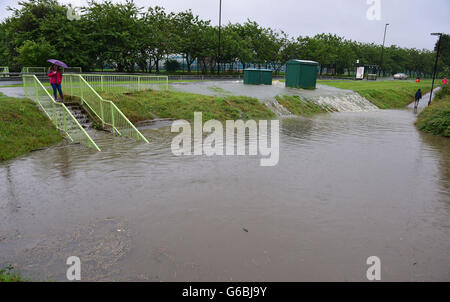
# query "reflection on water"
(348, 186)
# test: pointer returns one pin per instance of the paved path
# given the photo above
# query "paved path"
(15, 92)
(424, 101)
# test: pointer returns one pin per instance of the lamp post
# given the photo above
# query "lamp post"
(382, 48)
(220, 37)
(435, 65)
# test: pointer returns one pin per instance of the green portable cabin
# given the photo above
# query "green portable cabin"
(301, 74)
(254, 76)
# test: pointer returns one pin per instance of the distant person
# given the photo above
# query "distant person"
(418, 98)
(55, 76)
(418, 80)
(445, 81)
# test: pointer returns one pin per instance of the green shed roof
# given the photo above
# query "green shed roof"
(256, 69)
(301, 62)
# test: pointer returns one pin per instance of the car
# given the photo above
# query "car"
(400, 76)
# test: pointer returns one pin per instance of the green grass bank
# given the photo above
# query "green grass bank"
(384, 94)
(23, 128)
(151, 104)
(435, 119)
(298, 106)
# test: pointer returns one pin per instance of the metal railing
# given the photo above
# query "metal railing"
(126, 83)
(4, 71)
(106, 111)
(31, 70)
(34, 70)
(57, 112)
(76, 70)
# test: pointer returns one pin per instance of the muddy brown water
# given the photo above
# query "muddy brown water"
(348, 186)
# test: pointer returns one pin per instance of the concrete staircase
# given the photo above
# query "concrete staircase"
(80, 114)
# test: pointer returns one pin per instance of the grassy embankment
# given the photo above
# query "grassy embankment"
(297, 106)
(436, 118)
(151, 104)
(23, 128)
(384, 94)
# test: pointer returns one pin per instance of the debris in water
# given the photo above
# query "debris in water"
(245, 230)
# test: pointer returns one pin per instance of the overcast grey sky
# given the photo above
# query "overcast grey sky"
(411, 21)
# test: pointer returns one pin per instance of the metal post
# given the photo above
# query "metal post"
(65, 121)
(112, 120)
(435, 65)
(382, 48)
(36, 91)
(25, 86)
(54, 114)
(81, 89)
(220, 33)
(102, 116)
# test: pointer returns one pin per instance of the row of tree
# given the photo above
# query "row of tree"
(128, 37)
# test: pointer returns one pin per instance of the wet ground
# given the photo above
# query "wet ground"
(15, 92)
(348, 186)
(340, 99)
(262, 92)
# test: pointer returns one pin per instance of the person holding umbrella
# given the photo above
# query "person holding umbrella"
(55, 75)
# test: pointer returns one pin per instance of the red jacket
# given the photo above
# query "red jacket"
(55, 77)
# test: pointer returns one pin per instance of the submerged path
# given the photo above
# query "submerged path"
(424, 101)
(340, 99)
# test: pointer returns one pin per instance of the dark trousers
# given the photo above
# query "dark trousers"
(57, 87)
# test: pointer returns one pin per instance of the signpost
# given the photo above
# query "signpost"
(360, 73)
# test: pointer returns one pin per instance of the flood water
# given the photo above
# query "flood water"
(348, 186)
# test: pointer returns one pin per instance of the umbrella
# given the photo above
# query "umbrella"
(58, 63)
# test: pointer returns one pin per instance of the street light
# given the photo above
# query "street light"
(220, 32)
(382, 49)
(435, 65)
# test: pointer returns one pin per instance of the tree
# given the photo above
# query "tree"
(160, 39)
(114, 30)
(125, 36)
(207, 55)
(35, 53)
(190, 30)
(172, 65)
(444, 55)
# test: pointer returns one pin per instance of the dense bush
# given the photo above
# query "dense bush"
(172, 65)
